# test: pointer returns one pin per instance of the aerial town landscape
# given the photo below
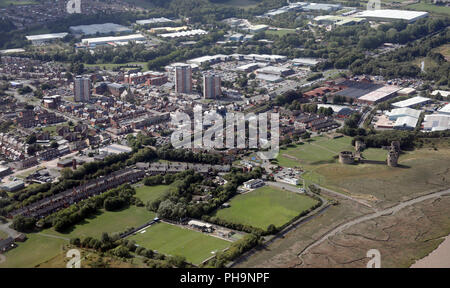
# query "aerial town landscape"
(354, 99)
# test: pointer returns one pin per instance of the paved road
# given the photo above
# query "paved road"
(11, 232)
(377, 214)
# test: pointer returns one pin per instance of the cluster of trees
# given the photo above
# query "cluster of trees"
(139, 141)
(235, 226)
(288, 98)
(312, 108)
(176, 204)
(236, 249)
(111, 200)
(407, 139)
(24, 224)
(122, 248)
(351, 126)
(185, 155)
(398, 63)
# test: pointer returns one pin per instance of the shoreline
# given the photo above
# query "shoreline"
(438, 258)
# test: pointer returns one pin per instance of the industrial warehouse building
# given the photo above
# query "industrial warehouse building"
(366, 92)
(118, 39)
(44, 38)
(411, 102)
(153, 21)
(99, 28)
(436, 122)
(13, 186)
(392, 15)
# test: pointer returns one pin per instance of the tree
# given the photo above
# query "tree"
(31, 139)
(23, 224)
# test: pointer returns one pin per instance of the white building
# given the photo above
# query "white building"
(112, 39)
(436, 122)
(443, 93)
(153, 21)
(392, 15)
(412, 102)
(44, 38)
(289, 180)
(254, 183)
(104, 28)
(445, 110)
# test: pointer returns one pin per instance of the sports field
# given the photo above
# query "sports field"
(265, 206)
(173, 240)
(108, 221)
(35, 250)
(151, 193)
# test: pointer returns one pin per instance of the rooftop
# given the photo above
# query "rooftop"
(393, 14)
(411, 102)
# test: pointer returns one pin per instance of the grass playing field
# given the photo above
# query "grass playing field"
(265, 206)
(107, 221)
(173, 240)
(35, 250)
(151, 193)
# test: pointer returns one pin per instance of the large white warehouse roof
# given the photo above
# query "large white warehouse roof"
(103, 40)
(44, 37)
(388, 14)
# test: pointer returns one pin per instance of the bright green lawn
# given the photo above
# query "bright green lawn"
(107, 221)
(375, 154)
(265, 206)
(151, 193)
(35, 250)
(173, 240)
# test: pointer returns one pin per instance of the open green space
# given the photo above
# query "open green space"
(375, 154)
(174, 240)
(110, 66)
(419, 172)
(433, 9)
(318, 150)
(280, 32)
(6, 3)
(444, 50)
(151, 193)
(35, 250)
(107, 221)
(265, 206)
(244, 4)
